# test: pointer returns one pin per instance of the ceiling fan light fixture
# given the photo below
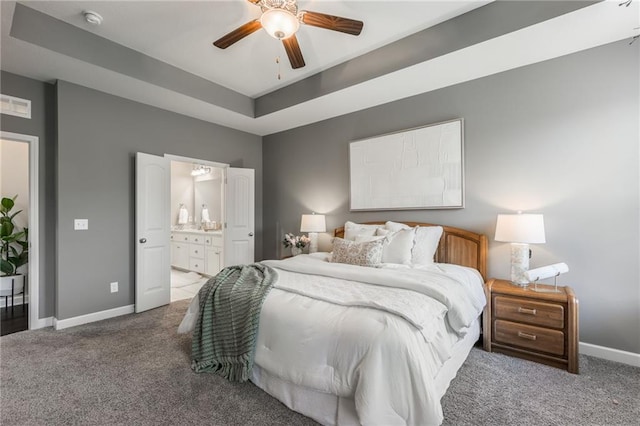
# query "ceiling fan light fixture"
(279, 23)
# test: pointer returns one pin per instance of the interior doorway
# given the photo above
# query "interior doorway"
(154, 227)
(19, 306)
(197, 218)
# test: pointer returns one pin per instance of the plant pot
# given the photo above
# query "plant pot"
(296, 251)
(5, 285)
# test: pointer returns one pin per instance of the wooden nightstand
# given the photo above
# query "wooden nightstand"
(541, 327)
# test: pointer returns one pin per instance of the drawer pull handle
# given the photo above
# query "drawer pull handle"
(526, 311)
(526, 336)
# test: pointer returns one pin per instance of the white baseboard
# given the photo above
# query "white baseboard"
(96, 316)
(610, 354)
(42, 323)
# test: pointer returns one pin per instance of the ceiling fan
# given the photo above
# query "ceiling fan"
(281, 19)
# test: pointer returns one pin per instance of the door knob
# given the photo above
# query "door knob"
(143, 240)
(251, 234)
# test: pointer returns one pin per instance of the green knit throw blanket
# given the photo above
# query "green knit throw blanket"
(225, 335)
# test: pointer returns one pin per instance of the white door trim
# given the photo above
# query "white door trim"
(172, 157)
(34, 232)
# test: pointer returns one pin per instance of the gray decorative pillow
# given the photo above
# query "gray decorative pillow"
(362, 254)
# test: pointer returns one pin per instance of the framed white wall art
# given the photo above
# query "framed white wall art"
(420, 168)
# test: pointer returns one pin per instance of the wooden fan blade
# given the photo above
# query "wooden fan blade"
(330, 22)
(293, 52)
(254, 1)
(238, 34)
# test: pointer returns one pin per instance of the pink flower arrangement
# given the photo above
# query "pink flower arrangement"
(291, 240)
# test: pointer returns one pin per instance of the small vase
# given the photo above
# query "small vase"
(296, 251)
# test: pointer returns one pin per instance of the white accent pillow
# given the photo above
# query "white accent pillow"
(395, 226)
(397, 246)
(366, 238)
(426, 243)
(353, 230)
(383, 232)
(362, 254)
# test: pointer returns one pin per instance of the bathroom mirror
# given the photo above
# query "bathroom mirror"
(207, 191)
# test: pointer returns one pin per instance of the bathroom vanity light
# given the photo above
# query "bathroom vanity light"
(199, 170)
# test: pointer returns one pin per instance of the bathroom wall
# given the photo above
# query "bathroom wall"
(181, 189)
(14, 177)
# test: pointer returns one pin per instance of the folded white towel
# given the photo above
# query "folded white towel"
(546, 271)
(183, 216)
(205, 215)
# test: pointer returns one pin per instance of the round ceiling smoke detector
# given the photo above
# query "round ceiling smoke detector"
(92, 17)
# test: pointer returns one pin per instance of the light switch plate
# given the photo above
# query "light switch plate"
(81, 224)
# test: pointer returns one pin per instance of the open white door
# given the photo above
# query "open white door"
(153, 216)
(239, 240)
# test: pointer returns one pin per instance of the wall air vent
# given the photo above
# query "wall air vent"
(11, 105)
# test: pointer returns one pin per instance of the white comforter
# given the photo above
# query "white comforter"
(326, 327)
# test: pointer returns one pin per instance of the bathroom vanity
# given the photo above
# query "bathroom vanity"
(197, 250)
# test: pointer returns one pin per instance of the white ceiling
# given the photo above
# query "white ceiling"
(181, 33)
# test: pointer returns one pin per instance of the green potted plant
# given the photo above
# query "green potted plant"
(14, 248)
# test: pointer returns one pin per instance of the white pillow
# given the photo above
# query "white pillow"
(362, 254)
(353, 230)
(395, 226)
(426, 243)
(397, 246)
(383, 232)
(366, 238)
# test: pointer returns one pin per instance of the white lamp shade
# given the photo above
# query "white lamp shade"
(520, 228)
(313, 223)
(279, 23)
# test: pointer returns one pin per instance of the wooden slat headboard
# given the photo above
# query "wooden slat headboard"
(457, 246)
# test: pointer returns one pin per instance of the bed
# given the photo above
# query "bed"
(348, 344)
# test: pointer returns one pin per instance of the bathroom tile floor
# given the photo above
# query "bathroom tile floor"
(185, 285)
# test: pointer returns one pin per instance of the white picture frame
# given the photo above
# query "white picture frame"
(419, 168)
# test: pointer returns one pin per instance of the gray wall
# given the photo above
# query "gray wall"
(559, 138)
(42, 125)
(98, 136)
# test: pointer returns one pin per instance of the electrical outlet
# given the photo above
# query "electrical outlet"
(114, 287)
(81, 224)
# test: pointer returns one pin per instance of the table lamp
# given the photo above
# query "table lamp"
(313, 223)
(520, 230)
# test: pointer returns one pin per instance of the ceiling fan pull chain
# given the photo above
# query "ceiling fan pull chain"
(278, 62)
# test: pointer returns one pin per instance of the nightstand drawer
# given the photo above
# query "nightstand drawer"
(537, 313)
(530, 337)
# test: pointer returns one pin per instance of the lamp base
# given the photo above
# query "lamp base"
(313, 242)
(519, 264)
